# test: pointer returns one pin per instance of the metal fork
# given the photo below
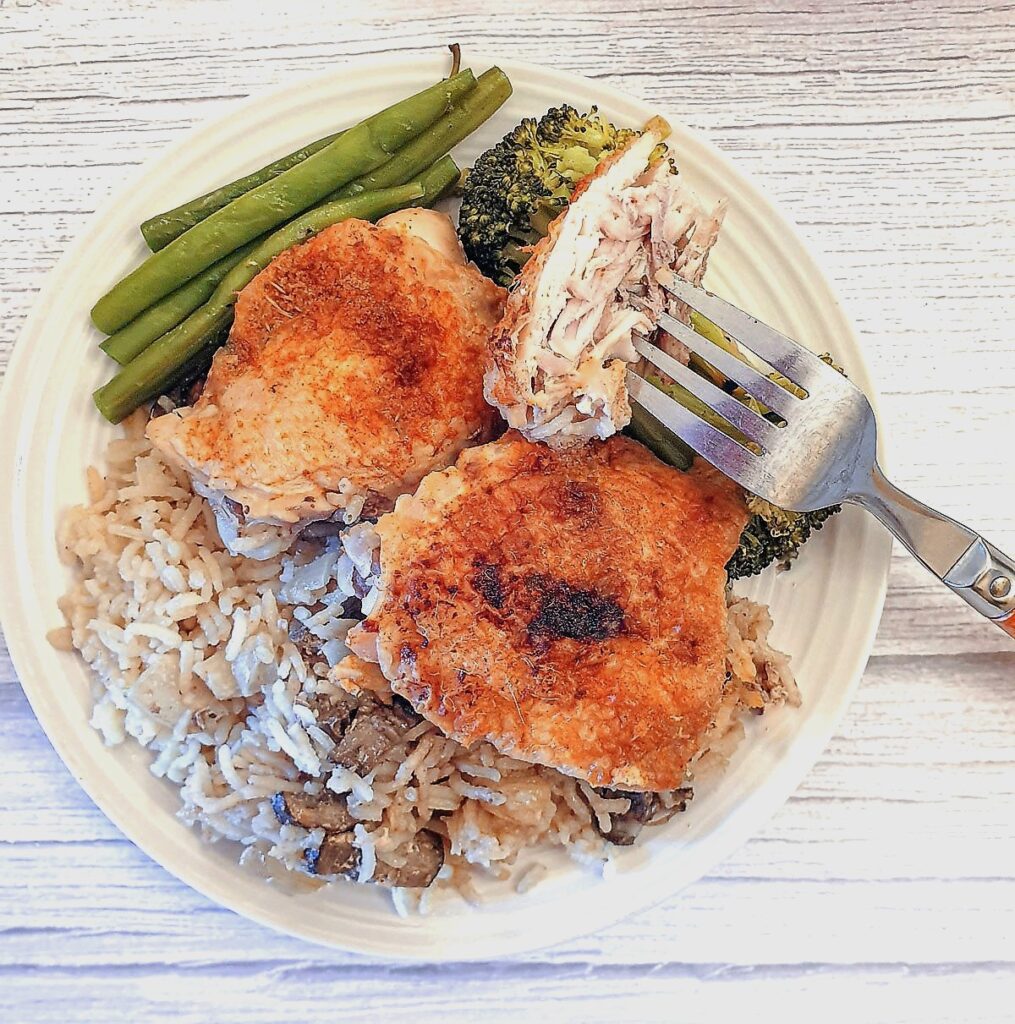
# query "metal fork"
(825, 453)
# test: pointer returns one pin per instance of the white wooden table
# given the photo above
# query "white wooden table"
(885, 889)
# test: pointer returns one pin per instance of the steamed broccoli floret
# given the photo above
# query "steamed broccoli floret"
(517, 188)
(773, 536)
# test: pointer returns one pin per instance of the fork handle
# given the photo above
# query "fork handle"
(966, 563)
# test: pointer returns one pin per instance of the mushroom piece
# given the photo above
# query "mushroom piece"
(624, 828)
(327, 810)
(335, 856)
(375, 729)
(424, 857)
(305, 642)
(321, 529)
(333, 713)
(645, 809)
(308, 643)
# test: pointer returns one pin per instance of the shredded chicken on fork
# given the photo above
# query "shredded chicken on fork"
(559, 354)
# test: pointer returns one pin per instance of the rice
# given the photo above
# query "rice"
(190, 653)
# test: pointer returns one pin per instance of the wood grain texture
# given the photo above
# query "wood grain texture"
(885, 888)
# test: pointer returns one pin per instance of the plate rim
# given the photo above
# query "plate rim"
(723, 839)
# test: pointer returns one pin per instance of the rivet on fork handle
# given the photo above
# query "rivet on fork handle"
(999, 588)
(985, 577)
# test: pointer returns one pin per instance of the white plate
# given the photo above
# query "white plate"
(826, 610)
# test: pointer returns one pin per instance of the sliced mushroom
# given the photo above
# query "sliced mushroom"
(360, 587)
(424, 858)
(327, 810)
(375, 729)
(311, 646)
(235, 509)
(321, 529)
(305, 642)
(645, 809)
(333, 713)
(624, 828)
(335, 856)
(675, 803)
(338, 856)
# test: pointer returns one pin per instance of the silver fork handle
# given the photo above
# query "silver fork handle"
(966, 563)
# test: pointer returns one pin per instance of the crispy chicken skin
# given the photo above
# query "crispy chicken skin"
(354, 367)
(567, 606)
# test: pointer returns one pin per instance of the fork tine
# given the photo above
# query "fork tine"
(785, 355)
(713, 445)
(747, 421)
(760, 387)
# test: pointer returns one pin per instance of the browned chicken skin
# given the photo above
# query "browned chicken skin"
(569, 607)
(353, 368)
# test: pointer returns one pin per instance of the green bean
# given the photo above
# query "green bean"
(133, 339)
(196, 368)
(467, 114)
(439, 180)
(692, 402)
(659, 440)
(161, 229)
(157, 368)
(357, 152)
(662, 441)
(160, 363)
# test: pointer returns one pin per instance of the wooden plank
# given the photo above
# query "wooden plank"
(256, 994)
